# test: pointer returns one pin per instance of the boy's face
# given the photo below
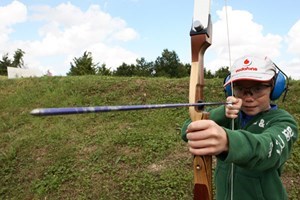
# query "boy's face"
(255, 95)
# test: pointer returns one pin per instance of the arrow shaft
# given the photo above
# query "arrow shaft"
(96, 109)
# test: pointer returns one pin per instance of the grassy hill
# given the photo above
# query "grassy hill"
(116, 155)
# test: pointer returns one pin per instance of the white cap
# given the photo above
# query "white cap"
(252, 68)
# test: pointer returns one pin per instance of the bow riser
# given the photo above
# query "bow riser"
(200, 41)
(199, 44)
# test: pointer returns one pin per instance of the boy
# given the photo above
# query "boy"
(250, 158)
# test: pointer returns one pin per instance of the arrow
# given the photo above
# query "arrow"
(96, 109)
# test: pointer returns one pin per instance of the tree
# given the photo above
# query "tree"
(144, 68)
(4, 63)
(17, 61)
(222, 72)
(169, 65)
(103, 71)
(187, 68)
(208, 74)
(83, 65)
(125, 70)
(184, 70)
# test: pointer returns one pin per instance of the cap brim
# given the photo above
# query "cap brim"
(231, 80)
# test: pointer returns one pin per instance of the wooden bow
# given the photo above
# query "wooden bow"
(200, 41)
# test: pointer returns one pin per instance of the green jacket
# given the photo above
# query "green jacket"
(257, 153)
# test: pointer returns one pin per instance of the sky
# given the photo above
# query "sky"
(54, 32)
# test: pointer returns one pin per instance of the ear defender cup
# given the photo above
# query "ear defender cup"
(280, 86)
(227, 89)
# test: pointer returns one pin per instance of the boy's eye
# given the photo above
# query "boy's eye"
(257, 88)
(239, 88)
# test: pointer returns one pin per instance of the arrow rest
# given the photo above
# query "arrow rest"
(200, 107)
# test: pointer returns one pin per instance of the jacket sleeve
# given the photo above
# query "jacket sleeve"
(267, 150)
(218, 116)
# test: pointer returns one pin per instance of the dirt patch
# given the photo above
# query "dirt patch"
(291, 180)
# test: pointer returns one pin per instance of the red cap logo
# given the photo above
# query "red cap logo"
(247, 62)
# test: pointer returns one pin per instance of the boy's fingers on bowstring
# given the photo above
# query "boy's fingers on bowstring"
(234, 103)
(233, 108)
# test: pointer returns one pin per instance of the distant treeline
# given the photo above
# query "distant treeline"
(166, 65)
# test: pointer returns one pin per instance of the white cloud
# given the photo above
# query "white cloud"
(293, 39)
(67, 32)
(125, 35)
(293, 43)
(246, 37)
(10, 15)
(13, 13)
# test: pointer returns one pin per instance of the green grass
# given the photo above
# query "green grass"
(117, 155)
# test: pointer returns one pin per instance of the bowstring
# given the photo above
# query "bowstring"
(231, 85)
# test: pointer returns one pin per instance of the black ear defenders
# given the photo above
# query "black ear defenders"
(281, 83)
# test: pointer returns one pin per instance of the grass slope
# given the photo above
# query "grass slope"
(116, 155)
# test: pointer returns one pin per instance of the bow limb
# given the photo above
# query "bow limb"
(200, 41)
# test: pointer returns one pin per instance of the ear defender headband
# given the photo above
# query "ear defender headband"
(281, 83)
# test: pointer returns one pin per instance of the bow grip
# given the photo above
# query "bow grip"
(202, 171)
